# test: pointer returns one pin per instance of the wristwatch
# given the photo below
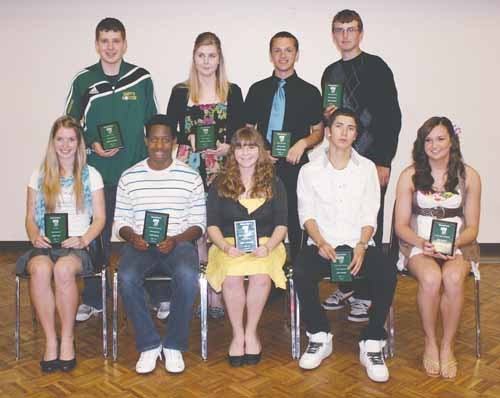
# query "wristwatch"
(363, 244)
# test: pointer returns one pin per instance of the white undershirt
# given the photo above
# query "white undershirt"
(78, 223)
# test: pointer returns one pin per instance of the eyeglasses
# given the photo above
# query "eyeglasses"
(349, 30)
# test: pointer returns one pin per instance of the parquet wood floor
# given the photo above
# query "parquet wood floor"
(276, 376)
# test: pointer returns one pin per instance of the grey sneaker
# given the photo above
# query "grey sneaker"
(359, 310)
(163, 310)
(336, 300)
(85, 312)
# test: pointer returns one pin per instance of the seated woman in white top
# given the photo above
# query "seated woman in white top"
(63, 184)
(438, 186)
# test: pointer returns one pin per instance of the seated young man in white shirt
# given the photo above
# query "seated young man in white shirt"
(338, 201)
(164, 185)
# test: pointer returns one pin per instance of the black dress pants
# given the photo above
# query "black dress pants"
(381, 277)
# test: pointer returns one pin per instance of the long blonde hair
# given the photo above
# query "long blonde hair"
(221, 84)
(51, 170)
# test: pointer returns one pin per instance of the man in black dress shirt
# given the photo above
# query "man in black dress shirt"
(369, 90)
(302, 118)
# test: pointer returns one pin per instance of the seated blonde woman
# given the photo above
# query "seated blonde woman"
(247, 189)
(63, 184)
(438, 185)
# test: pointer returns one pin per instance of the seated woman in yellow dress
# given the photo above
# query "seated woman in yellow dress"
(438, 186)
(246, 189)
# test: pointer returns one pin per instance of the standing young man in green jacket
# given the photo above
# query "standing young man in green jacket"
(114, 93)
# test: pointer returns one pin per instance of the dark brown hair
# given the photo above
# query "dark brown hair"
(422, 179)
(346, 16)
(283, 35)
(110, 24)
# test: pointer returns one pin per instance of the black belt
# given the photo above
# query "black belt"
(438, 212)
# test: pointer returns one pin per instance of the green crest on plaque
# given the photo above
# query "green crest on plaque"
(443, 235)
(155, 227)
(333, 94)
(110, 136)
(205, 137)
(56, 227)
(281, 143)
(339, 269)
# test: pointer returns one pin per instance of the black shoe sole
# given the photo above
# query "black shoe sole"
(67, 366)
(50, 366)
(252, 359)
(236, 361)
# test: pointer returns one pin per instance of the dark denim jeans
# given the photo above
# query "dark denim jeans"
(182, 265)
(91, 294)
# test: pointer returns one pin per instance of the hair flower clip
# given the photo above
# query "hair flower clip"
(457, 129)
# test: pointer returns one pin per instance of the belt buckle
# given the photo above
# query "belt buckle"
(438, 212)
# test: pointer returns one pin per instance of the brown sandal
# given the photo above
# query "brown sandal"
(431, 366)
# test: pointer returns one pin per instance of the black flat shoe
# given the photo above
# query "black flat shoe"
(67, 365)
(236, 361)
(50, 366)
(252, 359)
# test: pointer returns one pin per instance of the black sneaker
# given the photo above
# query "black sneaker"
(336, 300)
(359, 310)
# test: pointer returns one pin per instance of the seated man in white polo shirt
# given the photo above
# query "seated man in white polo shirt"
(338, 201)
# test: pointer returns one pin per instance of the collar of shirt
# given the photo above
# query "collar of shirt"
(354, 160)
(165, 170)
(123, 68)
(290, 79)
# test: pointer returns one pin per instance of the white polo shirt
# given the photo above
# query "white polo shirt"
(340, 201)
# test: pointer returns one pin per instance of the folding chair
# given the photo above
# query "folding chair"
(100, 266)
(203, 308)
(394, 253)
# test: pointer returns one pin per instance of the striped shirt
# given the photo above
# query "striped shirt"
(176, 190)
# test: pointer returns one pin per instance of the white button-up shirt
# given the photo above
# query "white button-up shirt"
(340, 201)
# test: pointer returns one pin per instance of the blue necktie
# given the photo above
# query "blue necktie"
(277, 111)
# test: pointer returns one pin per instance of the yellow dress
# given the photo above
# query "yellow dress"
(221, 265)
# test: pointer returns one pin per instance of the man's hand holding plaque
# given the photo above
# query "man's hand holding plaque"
(332, 95)
(339, 269)
(155, 227)
(110, 136)
(281, 143)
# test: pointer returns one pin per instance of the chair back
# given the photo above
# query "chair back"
(96, 252)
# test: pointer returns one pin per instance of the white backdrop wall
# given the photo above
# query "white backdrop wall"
(445, 56)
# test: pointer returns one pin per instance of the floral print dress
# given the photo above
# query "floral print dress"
(205, 114)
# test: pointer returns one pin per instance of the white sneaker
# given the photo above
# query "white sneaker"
(163, 310)
(147, 360)
(336, 300)
(372, 358)
(173, 360)
(320, 347)
(85, 312)
(359, 310)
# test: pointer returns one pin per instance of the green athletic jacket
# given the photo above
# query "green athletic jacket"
(94, 101)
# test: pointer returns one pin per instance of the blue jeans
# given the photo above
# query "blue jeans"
(92, 286)
(182, 265)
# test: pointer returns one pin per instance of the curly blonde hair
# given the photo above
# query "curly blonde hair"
(229, 182)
